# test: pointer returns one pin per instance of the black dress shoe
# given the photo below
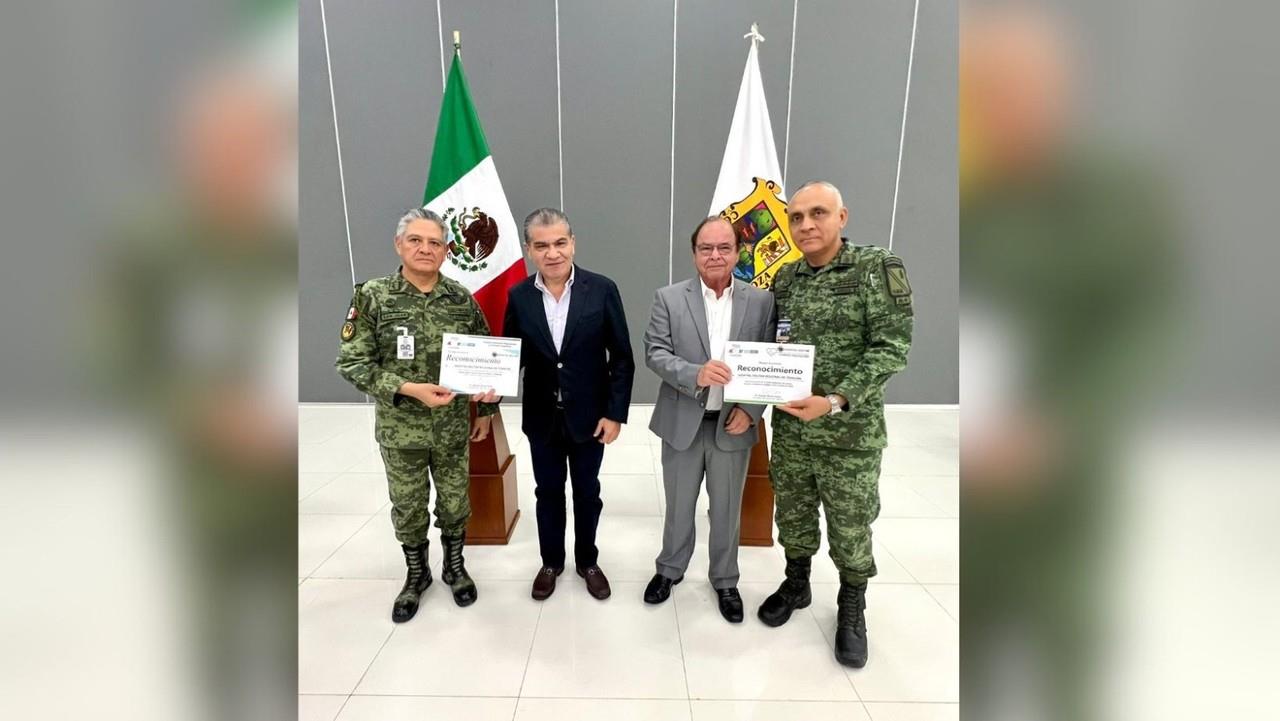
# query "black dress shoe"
(730, 604)
(659, 588)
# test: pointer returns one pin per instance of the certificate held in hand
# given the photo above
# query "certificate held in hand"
(771, 373)
(476, 363)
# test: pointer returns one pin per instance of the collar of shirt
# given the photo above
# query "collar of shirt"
(710, 295)
(847, 255)
(537, 279)
(444, 285)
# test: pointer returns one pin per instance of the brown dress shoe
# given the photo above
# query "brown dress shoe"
(544, 584)
(597, 584)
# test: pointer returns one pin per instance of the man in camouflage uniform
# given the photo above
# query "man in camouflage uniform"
(391, 343)
(853, 303)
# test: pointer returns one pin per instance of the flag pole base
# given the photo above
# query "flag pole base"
(495, 506)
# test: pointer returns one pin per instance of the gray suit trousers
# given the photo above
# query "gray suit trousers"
(682, 474)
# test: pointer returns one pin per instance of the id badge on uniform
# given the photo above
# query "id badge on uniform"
(404, 344)
(784, 331)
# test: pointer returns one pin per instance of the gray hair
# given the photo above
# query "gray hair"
(545, 216)
(419, 214)
(822, 184)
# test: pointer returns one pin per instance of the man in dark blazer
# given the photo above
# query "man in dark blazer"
(703, 436)
(578, 367)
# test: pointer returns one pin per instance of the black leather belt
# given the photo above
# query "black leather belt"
(711, 416)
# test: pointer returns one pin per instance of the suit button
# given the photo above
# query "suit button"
(559, 365)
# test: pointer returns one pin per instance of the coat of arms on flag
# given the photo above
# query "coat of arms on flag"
(764, 235)
(473, 235)
(749, 189)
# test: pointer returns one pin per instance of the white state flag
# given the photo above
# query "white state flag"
(750, 152)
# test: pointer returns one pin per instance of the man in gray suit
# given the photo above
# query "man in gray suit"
(702, 435)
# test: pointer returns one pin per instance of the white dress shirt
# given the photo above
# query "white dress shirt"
(557, 310)
(719, 314)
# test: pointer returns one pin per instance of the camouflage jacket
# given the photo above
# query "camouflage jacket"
(383, 309)
(856, 312)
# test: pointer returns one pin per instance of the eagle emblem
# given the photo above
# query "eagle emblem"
(473, 235)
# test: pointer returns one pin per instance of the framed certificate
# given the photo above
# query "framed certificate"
(770, 373)
(476, 363)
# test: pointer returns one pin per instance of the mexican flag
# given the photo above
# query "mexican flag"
(463, 187)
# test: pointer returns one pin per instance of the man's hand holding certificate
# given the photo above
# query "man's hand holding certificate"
(477, 363)
(768, 372)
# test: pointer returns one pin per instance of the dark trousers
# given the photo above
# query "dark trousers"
(550, 457)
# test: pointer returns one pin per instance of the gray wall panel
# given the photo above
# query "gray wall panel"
(509, 54)
(851, 67)
(616, 94)
(711, 55)
(926, 235)
(324, 272)
(617, 149)
(386, 85)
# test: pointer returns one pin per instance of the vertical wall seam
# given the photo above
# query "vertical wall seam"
(440, 28)
(906, 98)
(671, 220)
(559, 112)
(791, 77)
(337, 142)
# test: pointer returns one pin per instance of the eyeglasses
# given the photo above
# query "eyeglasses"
(708, 250)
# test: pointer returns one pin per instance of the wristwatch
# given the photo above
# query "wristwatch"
(836, 405)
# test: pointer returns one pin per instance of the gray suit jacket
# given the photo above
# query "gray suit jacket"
(676, 345)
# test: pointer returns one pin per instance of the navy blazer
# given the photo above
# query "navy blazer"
(594, 368)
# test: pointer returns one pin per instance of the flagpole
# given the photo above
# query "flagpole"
(457, 43)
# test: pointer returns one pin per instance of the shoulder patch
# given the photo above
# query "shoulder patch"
(348, 331)
(896, 277)
(352, 312)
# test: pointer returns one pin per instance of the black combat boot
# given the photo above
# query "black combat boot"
(791, 595)
(415, 582)
(454, 573)
(851, 625)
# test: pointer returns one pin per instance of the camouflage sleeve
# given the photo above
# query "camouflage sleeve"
(480, 326)
(887, 329)
(359, 358)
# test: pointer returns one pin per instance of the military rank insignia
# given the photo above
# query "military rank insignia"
(348, 330)
(896, 277)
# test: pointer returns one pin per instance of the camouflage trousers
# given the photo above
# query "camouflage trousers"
(408, 474)
(847, 484)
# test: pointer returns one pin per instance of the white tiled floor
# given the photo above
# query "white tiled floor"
(572, 657)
